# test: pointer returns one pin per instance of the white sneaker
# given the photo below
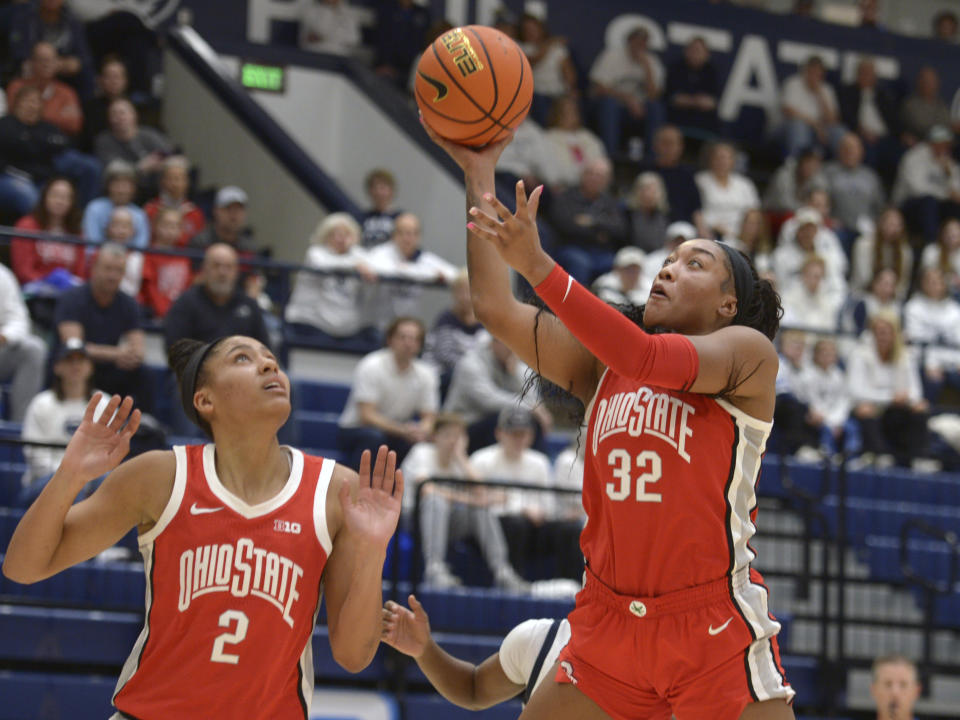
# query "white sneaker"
(861, 462)
(926, 466)
(506, 578)
(808, 454)
(438, 575)
(884, 461)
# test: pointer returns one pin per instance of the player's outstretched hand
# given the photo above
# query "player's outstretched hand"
(473, 161)
(406, 630)
(371, 504)
(98, 446)
(514, 236)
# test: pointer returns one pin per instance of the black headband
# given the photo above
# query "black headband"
(188, 382)
(742, 280)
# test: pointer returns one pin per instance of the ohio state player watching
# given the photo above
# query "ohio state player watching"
(236, 538)
(672, 618)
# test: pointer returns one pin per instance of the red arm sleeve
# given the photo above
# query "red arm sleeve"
(667, 360)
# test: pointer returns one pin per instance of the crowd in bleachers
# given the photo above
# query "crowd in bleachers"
(857, 222)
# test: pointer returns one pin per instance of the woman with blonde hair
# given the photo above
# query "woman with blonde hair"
(887, 394)
(648, 212)
(330, 305)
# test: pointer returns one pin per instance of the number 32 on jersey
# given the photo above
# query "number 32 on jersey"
(648, 462)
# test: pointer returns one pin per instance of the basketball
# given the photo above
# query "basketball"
(474, 85)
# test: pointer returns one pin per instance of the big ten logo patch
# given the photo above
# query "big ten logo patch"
(464, 56)
(286, 526)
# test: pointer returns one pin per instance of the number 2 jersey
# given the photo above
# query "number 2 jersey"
(232, 597)
(669, 487)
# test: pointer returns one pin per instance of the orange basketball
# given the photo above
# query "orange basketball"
(474, 84)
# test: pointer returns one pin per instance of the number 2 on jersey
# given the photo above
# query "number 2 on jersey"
(619, 459)
(237, 636)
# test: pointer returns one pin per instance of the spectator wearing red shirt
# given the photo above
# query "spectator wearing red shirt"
(61, 106)
(56, 212)
(174, 189)
(165, 277)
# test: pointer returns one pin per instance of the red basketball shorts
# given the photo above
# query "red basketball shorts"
(702, 652)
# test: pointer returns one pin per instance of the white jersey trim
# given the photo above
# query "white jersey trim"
(306, 660)
(132, 663)
(173, 504)
(743, 417)
(559, 643)
(320, 505)
(237, 504)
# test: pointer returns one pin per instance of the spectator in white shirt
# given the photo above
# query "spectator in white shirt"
(488, 379)
(454, 332)
(807, 303)
(54, 414)
(122, 230)
(809, 236)
(333, 307)
(571, 145)
(394, 396)
(451, 512)
(22, 354)
(525, 513)
(810, 109)
(554, 73)
(329, 26)
(754, 239)
(402, 257)
(932, 317)
(887, 395)
(627, 283)
(886, 247)
(928, 183)
(789, 417)
(726, 195)
(881, 297)
(793, 179)
(648, 211)
(626, 83)
(870, 109)
(823, 386)
(856, 193)
(945, 254)
(528, 157)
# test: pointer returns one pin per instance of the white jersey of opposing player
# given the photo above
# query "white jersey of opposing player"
(529, 651)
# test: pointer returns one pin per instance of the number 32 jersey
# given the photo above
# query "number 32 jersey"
(232, 597)
(669, 487)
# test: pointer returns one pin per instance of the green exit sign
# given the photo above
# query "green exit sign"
(262, 77)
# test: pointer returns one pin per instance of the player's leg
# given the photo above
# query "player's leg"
(568, 690)
(768, 710)
(556, 701)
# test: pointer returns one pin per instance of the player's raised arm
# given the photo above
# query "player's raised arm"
(54, 533)
(474, 687)
(362, 523)
(735, 360)
(554, 352)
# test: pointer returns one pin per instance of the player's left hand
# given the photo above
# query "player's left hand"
(371, 505)
(406, 630)
(515, 236)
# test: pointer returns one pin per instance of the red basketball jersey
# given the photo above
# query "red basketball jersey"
(232, 596)
(668, 488)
